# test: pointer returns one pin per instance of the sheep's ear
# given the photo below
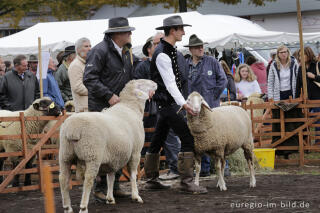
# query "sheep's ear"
(36, 106)
(205, 104)
(141, 94)
(181, 108)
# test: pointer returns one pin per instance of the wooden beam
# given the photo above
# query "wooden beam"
(303, 65)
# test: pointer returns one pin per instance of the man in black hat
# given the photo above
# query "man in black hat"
(108, 69)
(33, 64)
(206, 77)
(168, 70)
(61, 75)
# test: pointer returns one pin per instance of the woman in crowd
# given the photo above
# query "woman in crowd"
(282, 75)
(313, 79)
(246, 83)
(231, 87)
(282, 85)
(259, 70)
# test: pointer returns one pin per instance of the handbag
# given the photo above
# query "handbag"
(317, 69)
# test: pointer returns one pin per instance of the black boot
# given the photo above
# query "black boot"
(185, 167)
(151, 168)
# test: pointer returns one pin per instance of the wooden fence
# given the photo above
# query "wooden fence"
(262, 133)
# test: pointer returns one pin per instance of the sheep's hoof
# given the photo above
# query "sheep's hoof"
(83, 210)
(110, 201)
(252, 185)
(68, 210)
(222, 187)
(137, 199)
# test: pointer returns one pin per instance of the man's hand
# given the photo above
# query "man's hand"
(311, 75)
(151, 93)
(113, 100)
(189, 110)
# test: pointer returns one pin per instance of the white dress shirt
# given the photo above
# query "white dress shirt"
(117, 48)
(164, 66)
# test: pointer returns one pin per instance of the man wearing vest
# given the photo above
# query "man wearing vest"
(168, 70)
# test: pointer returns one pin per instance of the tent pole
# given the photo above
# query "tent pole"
(303, 65)
(40, 66)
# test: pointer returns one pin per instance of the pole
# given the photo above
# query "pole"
(48, 190)
(40, 66)
(303, 65)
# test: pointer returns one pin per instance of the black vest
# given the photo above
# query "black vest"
(162, 96)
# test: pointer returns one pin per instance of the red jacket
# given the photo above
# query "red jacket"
(259, 70)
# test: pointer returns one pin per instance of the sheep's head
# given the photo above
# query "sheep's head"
(47, 106)
(196, 102)
(69, 106)
(139, 88)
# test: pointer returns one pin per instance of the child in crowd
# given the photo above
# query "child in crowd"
(246, 83)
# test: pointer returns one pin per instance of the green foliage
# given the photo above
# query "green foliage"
(12, 11)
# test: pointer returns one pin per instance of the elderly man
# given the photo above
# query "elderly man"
(50, 85)
(19, 87)
(207, 77)
(107, 71)
(61, 75)
(168, 70)
(33, 64)
(75, 72)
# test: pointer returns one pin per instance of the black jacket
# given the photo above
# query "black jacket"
(142, 71)
(313, 89)
(179, 66)
(16, 93)
(105, 74)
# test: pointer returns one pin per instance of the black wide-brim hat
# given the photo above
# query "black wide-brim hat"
(69, 50)
(173, 21)
(195, 41)
(146, 45)
(119, 24)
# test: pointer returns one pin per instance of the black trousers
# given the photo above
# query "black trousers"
(168, 118)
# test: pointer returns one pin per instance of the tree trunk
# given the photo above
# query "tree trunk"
(182, 6)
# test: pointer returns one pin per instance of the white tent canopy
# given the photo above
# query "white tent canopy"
(217, 30)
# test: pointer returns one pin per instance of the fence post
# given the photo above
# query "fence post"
(40, 170)
(23, 134)
(301, 149)
(282, 125)
(48, 190)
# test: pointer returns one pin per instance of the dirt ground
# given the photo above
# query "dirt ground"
(284, 190)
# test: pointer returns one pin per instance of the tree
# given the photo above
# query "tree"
(12, 11)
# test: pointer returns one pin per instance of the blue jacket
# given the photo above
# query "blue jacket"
(209, 80)
(51, 89)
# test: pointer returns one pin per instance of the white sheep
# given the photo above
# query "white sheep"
(218, 133)
(114, 137)
(40, 107)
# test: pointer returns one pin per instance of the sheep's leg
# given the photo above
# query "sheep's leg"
(133, 169)
(198, 167)
(27, 177)
(221, 183)
(1, 169)
(91, 172)
(248, 154)
(64, 177)
(16, 179)
(110, 180)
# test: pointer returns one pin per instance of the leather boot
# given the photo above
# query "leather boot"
(185, 167)
(151, 168)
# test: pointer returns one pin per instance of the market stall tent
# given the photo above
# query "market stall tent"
(218, 30)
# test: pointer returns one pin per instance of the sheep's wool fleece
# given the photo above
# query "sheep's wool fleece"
(110, 137)
(13, 128)
(223, 130)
